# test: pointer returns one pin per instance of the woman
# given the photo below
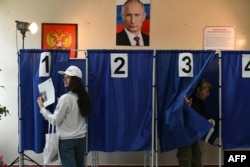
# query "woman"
(190, 156)
(69, 117)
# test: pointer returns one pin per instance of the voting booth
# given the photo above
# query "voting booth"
(137, 97)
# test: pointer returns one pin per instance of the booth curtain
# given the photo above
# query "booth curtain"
(235, 101)
(121, 119)
(178, 124)
(121, 116)
(32, 125)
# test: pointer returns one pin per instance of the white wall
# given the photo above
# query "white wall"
(175, 24)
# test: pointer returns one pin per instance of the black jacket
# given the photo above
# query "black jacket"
(199, 106)
(122, 39)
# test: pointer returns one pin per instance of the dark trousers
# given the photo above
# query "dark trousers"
(190, 156)
(72, 152)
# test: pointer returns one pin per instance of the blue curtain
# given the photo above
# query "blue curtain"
(122, 111)
(121, 119)
(178, 123)
(235, 101)
(33, 125)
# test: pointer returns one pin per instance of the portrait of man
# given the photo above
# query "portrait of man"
(133, 23)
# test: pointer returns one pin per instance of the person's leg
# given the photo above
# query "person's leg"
(67, 153)
(196, 155)
(80, 152)
(184, 155)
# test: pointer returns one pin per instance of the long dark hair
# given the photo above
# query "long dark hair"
(78, 87)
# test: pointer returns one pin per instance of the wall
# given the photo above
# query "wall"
(175, 24)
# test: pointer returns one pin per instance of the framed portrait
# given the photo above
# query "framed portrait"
(60, 36)
(127, 34)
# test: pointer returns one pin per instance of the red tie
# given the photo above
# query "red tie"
(137, 39)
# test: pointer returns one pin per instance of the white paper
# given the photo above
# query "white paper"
(219, 38)
(210, 132)
(47, 92)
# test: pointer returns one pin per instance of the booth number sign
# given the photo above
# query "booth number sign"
(45, 64)
(119, 65)
(186, 65)
(245, 65)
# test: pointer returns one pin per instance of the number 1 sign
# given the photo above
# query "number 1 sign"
(44, 65)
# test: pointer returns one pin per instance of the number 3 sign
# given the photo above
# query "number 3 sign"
(185, 65)
(119, 65)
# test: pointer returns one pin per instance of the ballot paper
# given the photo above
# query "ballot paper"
(210, 132)
(47, 92)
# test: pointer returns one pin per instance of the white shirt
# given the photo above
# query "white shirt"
(131, 38)
(67, 117)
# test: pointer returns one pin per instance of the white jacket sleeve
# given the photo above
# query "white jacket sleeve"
(59, 114)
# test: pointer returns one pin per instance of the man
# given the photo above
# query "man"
(133, 15)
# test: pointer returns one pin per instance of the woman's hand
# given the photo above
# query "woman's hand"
(40, 102)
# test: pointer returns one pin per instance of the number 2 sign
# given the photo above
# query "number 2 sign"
(119, 65)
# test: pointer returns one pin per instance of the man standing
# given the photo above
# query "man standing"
(133, 16)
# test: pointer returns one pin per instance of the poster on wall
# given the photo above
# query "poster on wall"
(60, 36)
(219, 37)
(133, 22)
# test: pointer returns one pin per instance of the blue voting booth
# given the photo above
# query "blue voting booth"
(130, 89)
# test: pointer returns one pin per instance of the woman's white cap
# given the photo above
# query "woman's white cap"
(72, 71)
